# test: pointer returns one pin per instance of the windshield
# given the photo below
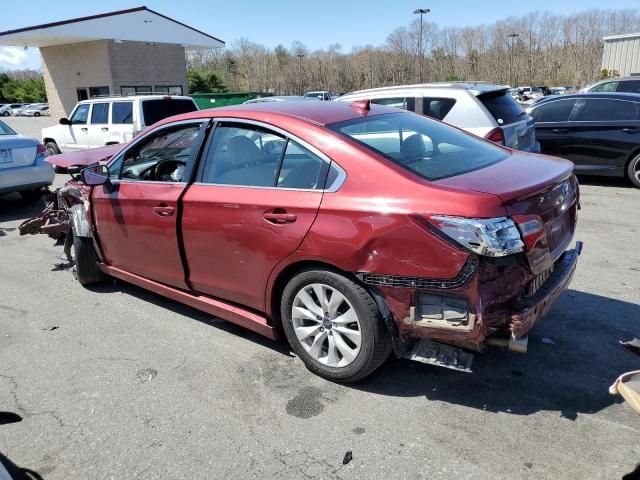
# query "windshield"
(156, 110)
(5, 129)
(425, 147)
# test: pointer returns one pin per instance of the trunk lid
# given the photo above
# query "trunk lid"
(17, 151)
(531, 185)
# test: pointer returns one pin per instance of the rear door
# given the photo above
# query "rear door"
(552, 125)
(255, 198)
(136, 220)
(121, 125)
(604, 132)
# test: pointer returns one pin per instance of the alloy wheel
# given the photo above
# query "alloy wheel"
(326, 324)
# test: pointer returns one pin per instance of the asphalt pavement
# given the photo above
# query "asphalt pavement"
(114, 382)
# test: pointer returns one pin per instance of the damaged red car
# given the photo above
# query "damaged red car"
(356, 230)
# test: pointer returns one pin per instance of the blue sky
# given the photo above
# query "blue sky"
(316, 24)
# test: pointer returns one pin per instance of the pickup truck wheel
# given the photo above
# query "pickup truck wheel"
(633, 171)
(86, 261)
(334, 326)
(31, 195)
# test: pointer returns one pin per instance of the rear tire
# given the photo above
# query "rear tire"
(31, 195)
(633, 171)
(5, 114)
(36, 114)
(86, 260)
(365, 332)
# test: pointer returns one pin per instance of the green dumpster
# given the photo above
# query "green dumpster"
(211, 100)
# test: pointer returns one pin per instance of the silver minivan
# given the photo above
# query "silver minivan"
(484, 109)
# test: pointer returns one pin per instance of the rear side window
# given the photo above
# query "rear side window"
(300, 168)
(155, 110)
(437, 107)
(422, 146)
(122, 113)
(100, 113)
(605, 87)
(405, 103)
(556, 111)
(502, 107)
(632, 86)
(598, 110)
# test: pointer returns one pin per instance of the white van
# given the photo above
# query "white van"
(109, 120)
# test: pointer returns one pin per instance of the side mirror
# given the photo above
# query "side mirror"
(64, 121)
(94, 175)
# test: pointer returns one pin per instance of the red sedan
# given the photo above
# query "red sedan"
(357, 230)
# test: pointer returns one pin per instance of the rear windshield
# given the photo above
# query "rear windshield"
(5, 129)
(502, 107)
(156, 110)
(425, 147)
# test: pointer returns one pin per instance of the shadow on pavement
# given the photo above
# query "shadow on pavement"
(604, 181)
(18, 473)
(570, 371)
(13, 207)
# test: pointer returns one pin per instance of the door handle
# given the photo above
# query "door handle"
(559, 130)
(631, 130)
(163, 211)
(280, 218)
(84, 129)
(105, 129)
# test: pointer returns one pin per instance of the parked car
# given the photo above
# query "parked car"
(486, 110)
(36, 110)
(279, 98)
(621, 84)
(23, 167)
(111, 120)
(17, 112)
(321, 95)
(5, 110)
(356, 229)
(530, 92)
(598, 132)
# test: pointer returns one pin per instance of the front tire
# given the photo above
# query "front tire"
(334, 326)
(37, 114)
(86, 261)
(633, 171)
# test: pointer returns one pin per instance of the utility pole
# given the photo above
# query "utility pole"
(300, 55)
(511, 36)
(421, 11)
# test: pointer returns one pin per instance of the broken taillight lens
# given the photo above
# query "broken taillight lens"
(532, 229)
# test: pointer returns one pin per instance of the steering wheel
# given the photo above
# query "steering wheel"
(163, 169)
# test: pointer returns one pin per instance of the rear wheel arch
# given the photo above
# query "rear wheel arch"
(634, 154)
(290, 271)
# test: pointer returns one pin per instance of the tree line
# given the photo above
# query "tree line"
(539, 48)
(23, 86)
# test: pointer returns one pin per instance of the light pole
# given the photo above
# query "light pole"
(511, 36)
(300, 55)
(421, 11)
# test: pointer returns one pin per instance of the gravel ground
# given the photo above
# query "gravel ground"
(115, 382)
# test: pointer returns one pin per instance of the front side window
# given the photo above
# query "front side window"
(243, 156)
(122, 113)
(100, 113)
(81, 115)
(598, 110)
(161, 157)
(554, 111)
(422, 146)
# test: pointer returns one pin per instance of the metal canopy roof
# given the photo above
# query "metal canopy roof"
(139, 24)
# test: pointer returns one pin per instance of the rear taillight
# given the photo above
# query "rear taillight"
(41, 152)
(532, 230)
(496, 135)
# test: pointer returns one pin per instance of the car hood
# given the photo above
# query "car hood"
(84, 157)
(519, 175)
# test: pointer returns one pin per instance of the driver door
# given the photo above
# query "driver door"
(136, 222)
(76, 135)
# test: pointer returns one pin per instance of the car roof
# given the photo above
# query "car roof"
(635, 97)
(319, 113)
(476, 88)
(621, 79)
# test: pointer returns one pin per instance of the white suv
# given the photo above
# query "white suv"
(109, 120)
(484, 109)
